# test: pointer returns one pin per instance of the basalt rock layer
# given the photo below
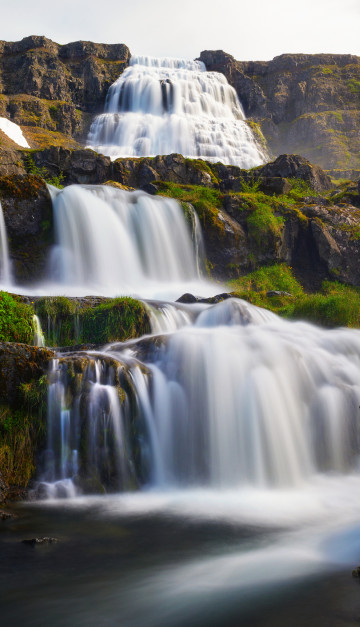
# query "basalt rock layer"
(53, 91)
(303, 104)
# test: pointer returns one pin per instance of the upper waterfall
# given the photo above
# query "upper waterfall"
(162, 106)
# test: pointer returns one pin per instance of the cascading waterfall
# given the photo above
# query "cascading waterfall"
(163, 106)
(236, 398)
(5, 274)
(113, 242)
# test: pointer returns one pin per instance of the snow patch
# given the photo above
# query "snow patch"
(14, 132)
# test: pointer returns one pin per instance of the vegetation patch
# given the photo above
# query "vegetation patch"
(67, 322)
(334, 305)
(42, 172)
(16, 320)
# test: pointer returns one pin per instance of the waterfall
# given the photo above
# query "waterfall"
(113, 242)
(39, 338)
(233, 397)
(163, 106)
(5, 274)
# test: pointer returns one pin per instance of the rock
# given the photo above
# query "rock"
(20, 363)
(58, 87)
(187, 298)
(77, 166)
(28, 217)
(303, 104)
(5, 515)
(43, 540)
(356, 572)
(277, 293)
(294, 166)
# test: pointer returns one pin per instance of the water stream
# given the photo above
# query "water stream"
(162, 106)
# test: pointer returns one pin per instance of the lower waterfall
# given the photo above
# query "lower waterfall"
(235, 398)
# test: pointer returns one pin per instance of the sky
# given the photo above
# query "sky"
(257, 30)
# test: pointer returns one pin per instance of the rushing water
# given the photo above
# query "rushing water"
(162, 106)
(227, 441)
(5, 274)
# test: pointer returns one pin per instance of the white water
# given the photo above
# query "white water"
(164, 106)
(5, 274)
(251, 400)
(112, 242)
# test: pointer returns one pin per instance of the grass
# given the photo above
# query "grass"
(66, 322)
(334, 305)
(42, 172)
(16, 320)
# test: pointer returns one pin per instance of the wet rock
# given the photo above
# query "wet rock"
(187, 298)
(39, 541)
(20, 363)
(28, 217)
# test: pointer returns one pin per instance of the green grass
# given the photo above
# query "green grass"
(334, 305)
(43, 173)
(66, 322)
(16, 320)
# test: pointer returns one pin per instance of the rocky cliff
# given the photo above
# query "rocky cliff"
(53, 91)
(303, 104)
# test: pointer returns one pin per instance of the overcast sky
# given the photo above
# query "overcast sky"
(257, 30)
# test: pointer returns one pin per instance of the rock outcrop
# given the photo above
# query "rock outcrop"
(53, 91)
(303, 104)
(28, 216)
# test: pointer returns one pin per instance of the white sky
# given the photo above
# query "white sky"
(256, 30)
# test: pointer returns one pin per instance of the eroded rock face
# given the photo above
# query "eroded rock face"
(305, 104)
(28, 216)
(54, 87)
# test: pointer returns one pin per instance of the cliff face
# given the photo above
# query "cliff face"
(304, 104)
(54, 91)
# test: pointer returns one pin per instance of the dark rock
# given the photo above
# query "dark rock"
(77, 166)
(43, 540)
(294, 166)
(149, 188)
(20, 363)
(187, 298)
(356, 572)
(28, 218)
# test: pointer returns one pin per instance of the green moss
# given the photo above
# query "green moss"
(206, 201)
(276, 277)
(354, 86)
(67, 322)
(203, 166)
(16, 320)
(21, 430)
(334, 305)
(116, 320)
(42, 172)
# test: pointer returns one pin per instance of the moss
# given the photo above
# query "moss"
(334, 305)
(117, 320)
(16, 320)
(21, 188)
(206, 201)
(43, 138)
(203, 166)
(42, 172)
(22, 430)
(67, 322)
